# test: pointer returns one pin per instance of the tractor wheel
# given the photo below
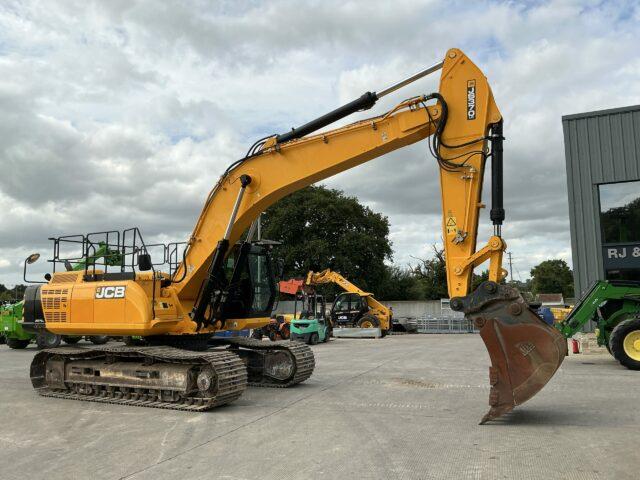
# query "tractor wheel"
(98, 339)
(625, 343)
(71, 340)
(46, 339)
(17, 344)
(368, 321)
(314, 338)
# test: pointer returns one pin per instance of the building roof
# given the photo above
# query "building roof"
(599, 113)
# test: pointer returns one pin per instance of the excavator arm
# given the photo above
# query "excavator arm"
(464, 127)
(282, 164)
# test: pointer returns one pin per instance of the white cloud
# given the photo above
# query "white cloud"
(125, 113)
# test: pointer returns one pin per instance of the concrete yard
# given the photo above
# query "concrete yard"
(399, 407)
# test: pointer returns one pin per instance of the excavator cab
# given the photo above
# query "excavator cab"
(252, 285)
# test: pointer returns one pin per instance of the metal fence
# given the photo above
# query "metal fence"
(445, 323)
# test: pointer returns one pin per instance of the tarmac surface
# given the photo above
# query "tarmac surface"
(402, 407)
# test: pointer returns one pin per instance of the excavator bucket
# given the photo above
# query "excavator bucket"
(525, 352)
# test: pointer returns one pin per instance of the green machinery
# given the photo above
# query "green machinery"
(615, 306)
(14, 335)
(18, 336)
(311, 325)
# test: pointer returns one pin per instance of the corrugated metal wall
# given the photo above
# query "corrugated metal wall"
(600, 147)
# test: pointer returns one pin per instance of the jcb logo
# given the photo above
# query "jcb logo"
(110, 292)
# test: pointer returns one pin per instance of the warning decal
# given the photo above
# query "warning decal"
(451, 225)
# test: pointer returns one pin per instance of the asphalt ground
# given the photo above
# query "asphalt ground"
(402, 407)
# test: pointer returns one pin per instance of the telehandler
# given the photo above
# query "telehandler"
(222, 282)
(354, 307)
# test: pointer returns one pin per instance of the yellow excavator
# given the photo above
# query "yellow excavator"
(224, 281)
(354, 306)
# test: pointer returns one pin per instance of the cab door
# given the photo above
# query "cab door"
(346, 309)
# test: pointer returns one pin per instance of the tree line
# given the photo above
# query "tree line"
(11, 295)
(322, 228)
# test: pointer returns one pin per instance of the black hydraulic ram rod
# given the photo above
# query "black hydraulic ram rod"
(365, 102)
(497, 208)
(215, 276)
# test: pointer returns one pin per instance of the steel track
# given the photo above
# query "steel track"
(302, 357)
(231, 376)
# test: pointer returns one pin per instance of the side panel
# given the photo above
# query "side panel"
(82, 298)
(109, 302)
(106, 308)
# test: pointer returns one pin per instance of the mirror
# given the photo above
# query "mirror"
(47, 276)
(144, 262)
(33, 258)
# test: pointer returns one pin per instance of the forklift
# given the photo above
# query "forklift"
(312, 324)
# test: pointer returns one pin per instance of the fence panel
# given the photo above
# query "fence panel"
(445, 323)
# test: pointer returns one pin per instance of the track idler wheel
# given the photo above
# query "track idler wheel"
(525, 352)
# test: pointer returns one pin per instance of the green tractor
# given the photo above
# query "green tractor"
(18, 334)
(311, 325)
(18, 337)
(14, 335)
(615, 306)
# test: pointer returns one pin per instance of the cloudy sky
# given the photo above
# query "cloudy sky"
(121, 112)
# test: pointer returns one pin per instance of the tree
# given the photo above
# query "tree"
(432, 273)
(12, 295)
(322, 228)
(401, 284)
(552, 276)
(520, 285)
(478, 279)
(621, 224)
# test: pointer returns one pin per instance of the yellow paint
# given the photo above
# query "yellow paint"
(631, 345)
